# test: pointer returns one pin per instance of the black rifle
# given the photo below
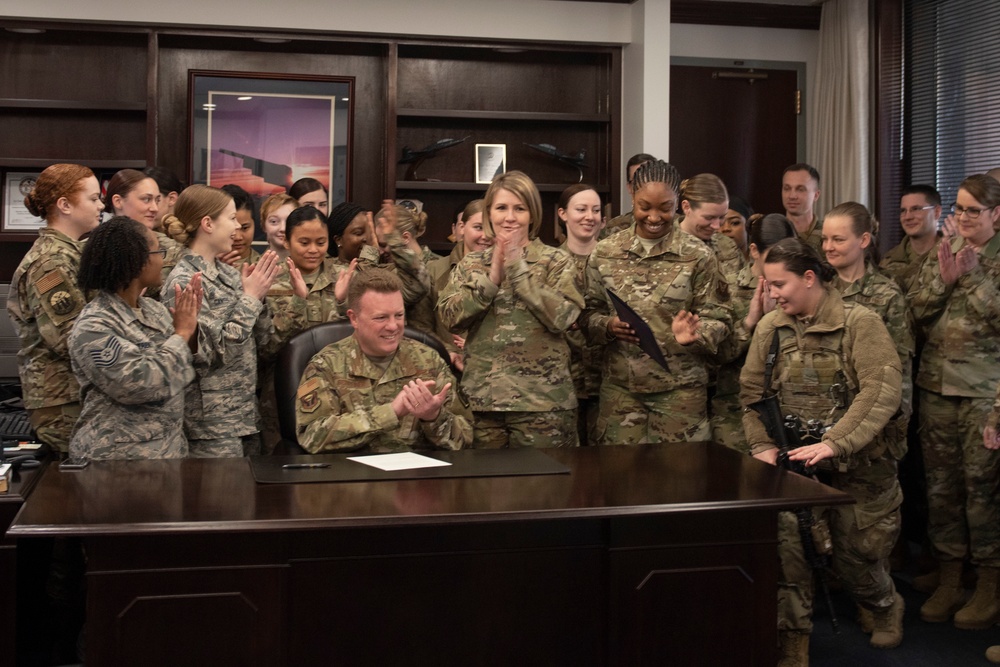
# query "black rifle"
(786, 437)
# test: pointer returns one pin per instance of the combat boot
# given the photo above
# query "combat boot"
(888, 632)
(983, 610)
(793, 649)
(947, 598)
(866, 620)
(993, 654)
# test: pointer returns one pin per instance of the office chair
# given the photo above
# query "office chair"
(295, 356)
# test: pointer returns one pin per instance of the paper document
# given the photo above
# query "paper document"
(401, 461)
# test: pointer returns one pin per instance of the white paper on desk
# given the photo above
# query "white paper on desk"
(401, 461)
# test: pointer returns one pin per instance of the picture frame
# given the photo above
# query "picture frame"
(491, 160)
(17, 219)
(265, 131)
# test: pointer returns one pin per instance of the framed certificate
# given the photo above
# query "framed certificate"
(16, 217)
(491, 161)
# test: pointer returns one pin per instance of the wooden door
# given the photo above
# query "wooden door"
(741, 128)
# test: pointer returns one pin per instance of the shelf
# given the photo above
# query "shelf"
(533, 116)
(70, 105)
(8, 162)
(481, 187)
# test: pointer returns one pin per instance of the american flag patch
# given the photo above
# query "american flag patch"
(48, 281)
(108, 355)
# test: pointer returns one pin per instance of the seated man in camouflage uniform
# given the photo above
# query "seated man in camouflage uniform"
(377, 391)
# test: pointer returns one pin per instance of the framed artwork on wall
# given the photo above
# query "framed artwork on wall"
(16, 217)
(263, 132)
(491, 160)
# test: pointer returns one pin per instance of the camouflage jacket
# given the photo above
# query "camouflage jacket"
(962, 321)
(45, 299)
(679, 273)
(441, 269)
(728, 254)
(408, 265)
(291, 314)
(732, 349)
(882, 295)
(344, 402)
(871, 365)
(253, 258)
(132, 370)
(421, 315)
(585, 357)
(618, 223)
(902, 263)
(869, 362)
(814, 236)
(222, 402)
(516, 357)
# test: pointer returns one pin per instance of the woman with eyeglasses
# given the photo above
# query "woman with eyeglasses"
(132, 357)
(957, 301)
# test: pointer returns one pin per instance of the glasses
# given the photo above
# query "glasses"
(162, 252)
(973, 213)
(913, 210)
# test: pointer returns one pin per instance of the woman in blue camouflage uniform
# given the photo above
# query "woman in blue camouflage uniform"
(132, 357)
(45, 299)
(221, 415)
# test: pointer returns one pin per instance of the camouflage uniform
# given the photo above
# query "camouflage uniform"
(440, 269)
(132, 370)
(725, 410)
(408, 265)
(902, 263)
(584, 361)
(516, 357)
(344, 402)
(958, 376)
(640, 401)
(220, 408)
(253, 258)
(882, 295)
(617, 224)
(44, 302)
(728, 254)
(291, 315)
(846, 345)
(421, 315)
(814, 236)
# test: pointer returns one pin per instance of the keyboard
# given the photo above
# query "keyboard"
(15, 426)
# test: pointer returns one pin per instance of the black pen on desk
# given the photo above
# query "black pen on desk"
(304, 466)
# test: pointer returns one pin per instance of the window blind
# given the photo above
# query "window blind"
(952, 91)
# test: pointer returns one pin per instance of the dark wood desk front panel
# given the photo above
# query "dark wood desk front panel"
(638, 556)
(21, 486)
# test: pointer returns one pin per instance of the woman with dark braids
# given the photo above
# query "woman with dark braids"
(132, 358)
(833, 363)
(672, 280)
(45, 299)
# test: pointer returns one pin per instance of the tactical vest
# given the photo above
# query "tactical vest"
(816, 383)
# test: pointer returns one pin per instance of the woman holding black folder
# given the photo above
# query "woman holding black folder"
(671, 280)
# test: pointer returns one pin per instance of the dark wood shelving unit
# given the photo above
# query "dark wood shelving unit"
(112, 96)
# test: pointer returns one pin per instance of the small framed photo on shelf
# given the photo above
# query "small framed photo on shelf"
(16, 217)
(491, 161)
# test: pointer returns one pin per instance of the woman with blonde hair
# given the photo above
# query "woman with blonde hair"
(274, 212)
(220, 412)
(704, 205)
(45, 298)
(516, 300)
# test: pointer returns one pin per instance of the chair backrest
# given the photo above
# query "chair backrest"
(295, 356)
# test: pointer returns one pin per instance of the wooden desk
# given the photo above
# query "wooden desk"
(22, 484)
(651, 555)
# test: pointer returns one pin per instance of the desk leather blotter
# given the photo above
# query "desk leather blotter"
(466, 463)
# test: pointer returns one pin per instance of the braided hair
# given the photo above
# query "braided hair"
(656, 171)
